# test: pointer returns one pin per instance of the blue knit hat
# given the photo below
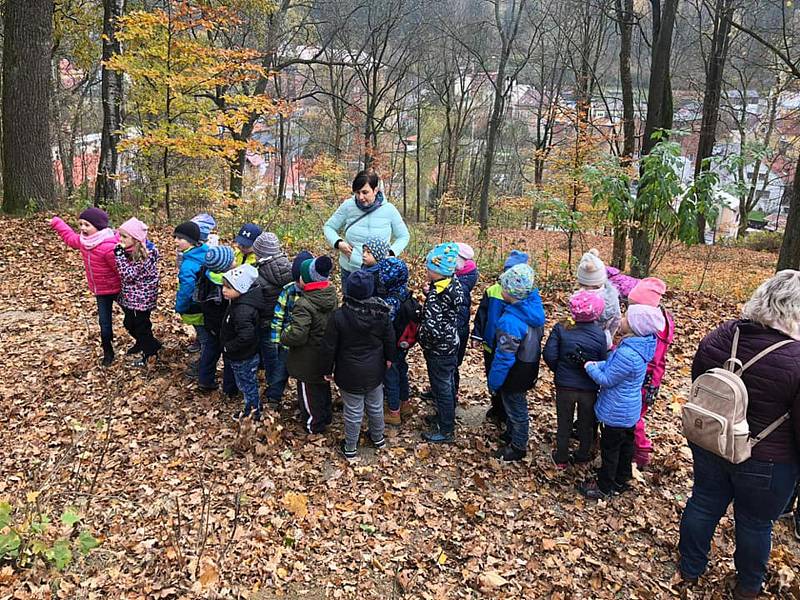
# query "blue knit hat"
(298, 261)
(206, 223)
(442, 259)
(518, 281)
(219, 258)
(517, 257)
(360, 285)
(378, 247)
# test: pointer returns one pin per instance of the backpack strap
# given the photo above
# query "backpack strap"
(769, 429)
(763, 353)
(733, 363)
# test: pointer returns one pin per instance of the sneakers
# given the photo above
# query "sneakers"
(621, 488)
(243, 414)
(392, 417)
(349, 454)
(591, 490)
(194, 347)
(406, 410)
(206, 388)
(559, 465)
(510, 453)
(379, 444)
(437, 437)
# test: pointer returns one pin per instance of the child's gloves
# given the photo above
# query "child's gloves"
(119, 250)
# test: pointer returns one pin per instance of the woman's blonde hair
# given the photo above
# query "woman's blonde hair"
(776, 303)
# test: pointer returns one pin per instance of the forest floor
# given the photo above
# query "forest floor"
(185, 503)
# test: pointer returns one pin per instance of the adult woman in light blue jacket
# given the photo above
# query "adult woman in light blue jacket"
(367, 214)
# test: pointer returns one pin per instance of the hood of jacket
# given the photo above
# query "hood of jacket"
(530, 310)
(644, 346)
(253, 297)
(366, 312)
(276, 270)
(323, 300)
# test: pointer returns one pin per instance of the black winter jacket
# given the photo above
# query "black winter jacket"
(212, 303)
(273, 274)
(563, 342)
(240, 325)
(358, 341)
(773, 383)
(438, 331)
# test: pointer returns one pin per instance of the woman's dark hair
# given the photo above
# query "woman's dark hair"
(362, 177)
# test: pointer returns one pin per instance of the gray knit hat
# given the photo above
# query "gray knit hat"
(241, 278)
(267, 244)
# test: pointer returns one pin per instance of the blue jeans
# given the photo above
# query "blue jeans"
(395, 382)
(440, 373)
(273, 357)
(759, 491)
(516, 407)
(210, 351)
(246, 374)
(105, 306)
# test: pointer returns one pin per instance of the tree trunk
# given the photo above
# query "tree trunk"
(641, 249)
(65, 138)
(491, 142)
(283, 152)
(659, 97)
(659, 116)
(236, 169)
(27, 160)
(106, 186)
(789, 257)
(625, 16)
(417, 161)
(714, 73)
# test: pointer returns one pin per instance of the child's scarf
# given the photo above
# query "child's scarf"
(92, 241)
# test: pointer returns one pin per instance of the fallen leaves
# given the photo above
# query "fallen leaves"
(297, 504)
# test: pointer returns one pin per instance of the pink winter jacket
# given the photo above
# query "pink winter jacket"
(101, 268)
(657, 366)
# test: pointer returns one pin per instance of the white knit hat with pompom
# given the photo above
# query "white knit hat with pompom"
(591, 270)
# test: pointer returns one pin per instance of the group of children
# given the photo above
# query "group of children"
(255, 308)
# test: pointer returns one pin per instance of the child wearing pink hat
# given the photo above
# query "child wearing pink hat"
(571, 343)
(96, 242)
(648, 293)
(137, 262)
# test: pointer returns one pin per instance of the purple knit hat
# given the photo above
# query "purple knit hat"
(95, 216)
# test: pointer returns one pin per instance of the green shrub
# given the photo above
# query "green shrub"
(763, 241)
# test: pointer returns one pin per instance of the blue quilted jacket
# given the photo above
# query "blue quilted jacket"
(193, 261)
(384, 222)
(619, 403)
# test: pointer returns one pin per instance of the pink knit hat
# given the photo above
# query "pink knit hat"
(135, 228)
(586, 306)
(645, 320)
(648, 291)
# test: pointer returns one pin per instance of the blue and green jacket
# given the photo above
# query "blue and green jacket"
(518, 346)
(283, 311)
(193, 261)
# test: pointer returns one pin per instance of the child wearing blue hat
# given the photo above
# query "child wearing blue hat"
(244, 240)
(517, 350)
(438, 338)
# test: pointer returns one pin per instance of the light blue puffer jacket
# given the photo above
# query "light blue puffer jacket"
(384, 222)
(619, 403)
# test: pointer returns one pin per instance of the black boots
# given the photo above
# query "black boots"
(108, 353)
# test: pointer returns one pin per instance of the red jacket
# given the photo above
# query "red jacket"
(101, 267)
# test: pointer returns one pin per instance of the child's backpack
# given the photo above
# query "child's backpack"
(715, 417)
(406, 323)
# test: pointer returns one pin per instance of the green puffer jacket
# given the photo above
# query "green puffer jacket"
(304, 334)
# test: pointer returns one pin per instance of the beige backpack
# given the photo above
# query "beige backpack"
(715, 417)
